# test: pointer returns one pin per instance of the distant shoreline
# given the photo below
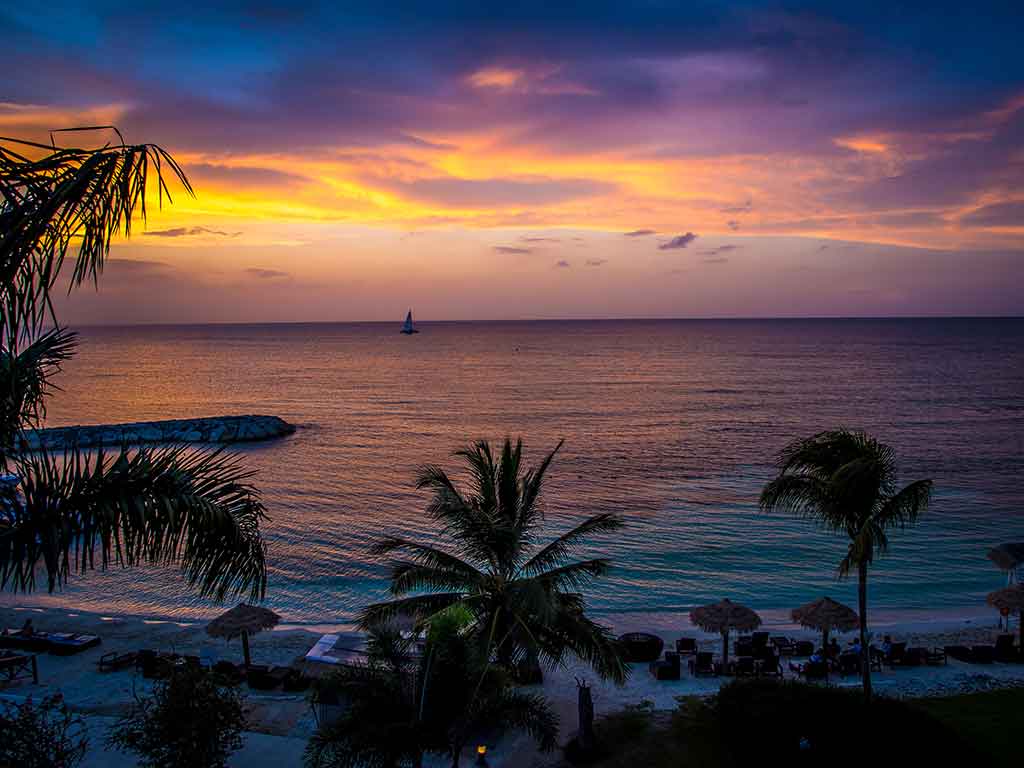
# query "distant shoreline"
(212, 429)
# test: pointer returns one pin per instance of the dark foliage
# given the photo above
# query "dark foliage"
(192, 720)
(41, 735)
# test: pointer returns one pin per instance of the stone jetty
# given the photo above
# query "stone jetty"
(215, 429)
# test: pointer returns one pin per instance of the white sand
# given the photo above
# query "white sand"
(288, 717)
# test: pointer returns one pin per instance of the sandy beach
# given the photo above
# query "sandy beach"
(280, 723)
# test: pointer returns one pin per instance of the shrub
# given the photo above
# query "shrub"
(765, 720)
(43, 735)
(192, 720)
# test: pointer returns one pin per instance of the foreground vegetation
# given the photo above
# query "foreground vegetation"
(772, 723)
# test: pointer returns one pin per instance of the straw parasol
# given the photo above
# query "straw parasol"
(242, 620)
(1010, 600)
(826, 615)
(722, 617)
(1007, 557)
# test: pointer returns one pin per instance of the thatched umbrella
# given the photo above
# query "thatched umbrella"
(723, 617)
(825, 615)
(1007, 557)
(1010, 600)
(242, 620)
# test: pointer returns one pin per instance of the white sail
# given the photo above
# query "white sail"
(407, 326)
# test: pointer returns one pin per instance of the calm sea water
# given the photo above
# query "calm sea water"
(672, 424)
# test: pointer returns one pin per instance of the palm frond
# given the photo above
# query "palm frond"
(419, 608)
(902, 509)
(66, 199)
(26, 379)
(558, 551)
(169, 505)
(529, 712)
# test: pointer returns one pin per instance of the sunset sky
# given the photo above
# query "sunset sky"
(476, 160)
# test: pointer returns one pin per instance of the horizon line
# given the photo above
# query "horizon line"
(736, 318)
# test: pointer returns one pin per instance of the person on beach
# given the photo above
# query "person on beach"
(27, 629)
(833, 649)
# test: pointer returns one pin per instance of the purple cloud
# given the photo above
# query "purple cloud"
(1008, 214)
(596, 262)
(267, 274)
(189, 232)
(494, 193)
(562, 264)
(680, 241)
(511, 249)
(640, 233)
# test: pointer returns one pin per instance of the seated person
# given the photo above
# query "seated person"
(855, 646)
(886, 645)
(27, 630)
(833, 649)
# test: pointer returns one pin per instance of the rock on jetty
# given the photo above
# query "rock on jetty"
(215, 429)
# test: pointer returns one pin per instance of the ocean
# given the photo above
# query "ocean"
(672, 424)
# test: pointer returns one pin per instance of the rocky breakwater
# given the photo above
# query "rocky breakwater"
(215, 429)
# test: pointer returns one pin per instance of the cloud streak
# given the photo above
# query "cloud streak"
(678, 242)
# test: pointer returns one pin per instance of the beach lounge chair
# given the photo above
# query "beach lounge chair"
(783, 645)
(745, 667)
(803, 648)
(62, 644)
(116, 660)
(21, 640)
(936, 657)
(812, 670)
(1005, 650)
(769, 665)
(686, 646)
(668, 668)
(897, 655)
(849, 664)
(702, 664)
(640, 647)
(744, 646)
(983, 654)
(958, 652)
(17, 666)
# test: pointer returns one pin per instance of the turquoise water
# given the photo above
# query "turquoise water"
(672, 424)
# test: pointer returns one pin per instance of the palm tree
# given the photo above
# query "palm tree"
(847, 481)
(524, 601)
(391, 718)
(68, 511)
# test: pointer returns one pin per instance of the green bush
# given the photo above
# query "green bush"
(192, 720)
(43, 735)
(801, 724)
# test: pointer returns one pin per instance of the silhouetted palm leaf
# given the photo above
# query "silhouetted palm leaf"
(846, 480)
(167, 505)
(522, 601)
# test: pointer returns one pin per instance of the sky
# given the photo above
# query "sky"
(477, 160)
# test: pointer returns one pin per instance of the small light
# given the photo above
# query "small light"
(481, 750)
(481, 754)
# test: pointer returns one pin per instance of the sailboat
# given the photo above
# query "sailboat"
(407, 327)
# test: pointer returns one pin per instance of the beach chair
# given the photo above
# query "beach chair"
(803, 648)
(18, 666)
(983, 654)
(936, 657)
(744, 646)
(812, 670)
(687, 646)
(668, 668)
(745, 667)
(702, 664)
(68, 644)
(116, 660)
(769, 665)
(18, 639)
(849, 664)
(153, 665)
(958, 652)
(759, 639)
(1005, 650)
(783, 645)
(897, 655)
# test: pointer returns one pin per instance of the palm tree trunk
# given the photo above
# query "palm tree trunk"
(865, 651)
(725, 651)
(245, 649)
